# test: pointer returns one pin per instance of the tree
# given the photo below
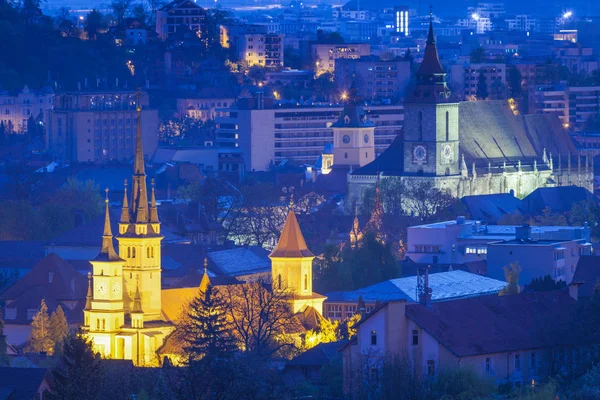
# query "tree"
(511, 274)
(478, 55)
(40, 340)
(424, 200)
(139, 12)
(548, 218)
(545, 284)
(257, 73)
(261, 317)
(514, 81)
(206, 331)
(482, 87)
(59, 329)
(120, 9)
(78, 372)
(497, 90)
(94, 22)
(31, 11)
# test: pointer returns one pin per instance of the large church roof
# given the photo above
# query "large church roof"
(291, 242)
(490, 134)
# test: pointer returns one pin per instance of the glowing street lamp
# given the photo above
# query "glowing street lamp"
(344, 96)
(475, 16)
(568, 14)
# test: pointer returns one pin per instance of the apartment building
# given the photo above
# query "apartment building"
(270, 134)
(17, 108)
(464, 78)
(573, 105)
(261, 49)
(324, 56)
(202, 105)
(375, 78)
(99, 126)
(463, 241)
(179, 16)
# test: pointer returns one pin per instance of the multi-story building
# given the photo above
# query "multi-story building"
(374, 78)
(464, 78)
(268, 134)
(325, 55)
(99, 126)
(463, 241)
(573, 105)
(401, 20)
(261, 49)
(202, 105)
(179, 15)
(556, 256)
(16, 109)
(521, 23)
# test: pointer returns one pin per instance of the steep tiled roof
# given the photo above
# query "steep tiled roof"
(291, 242)
(587, 274)
(318, 356)
(239, 261)
(21, 383)
(492, 207)
(495, 324)
(558, 199)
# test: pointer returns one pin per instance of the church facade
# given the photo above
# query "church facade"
(470, 148)
(123, 316)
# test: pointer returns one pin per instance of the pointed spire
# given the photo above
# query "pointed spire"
(107, 253)
(88, 297)
(431, 62)
(137, 300)
(559, 162)
(125, 208)
(139, 193)
(153, 209)
(545, 157)
(535, 166)
(138, 164)
(551, 162)
(205, 279)
(291, 243)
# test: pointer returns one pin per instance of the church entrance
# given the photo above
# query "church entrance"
(120, 348)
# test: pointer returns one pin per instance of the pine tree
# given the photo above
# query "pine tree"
(482, 87)
(59, 328)
(206, 331)
(39, 338)
(78, 372)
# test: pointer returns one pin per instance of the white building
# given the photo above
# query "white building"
(261, 49)
(179, 15)
(324, 55)
(16, 109)
(463, 241)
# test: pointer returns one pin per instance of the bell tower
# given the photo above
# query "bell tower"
(431, 140)
(353, 134)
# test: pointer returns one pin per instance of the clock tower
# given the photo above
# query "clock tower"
(353, 135)
(431, 119)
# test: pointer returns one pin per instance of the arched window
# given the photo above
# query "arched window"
(447, 126)
(97, 324)
(305, 281)
(279, 284)
(129, 252)
(152, 252)
(148, 252)
(103, 324)
(420, 125)
(133, 252)
(130, 275)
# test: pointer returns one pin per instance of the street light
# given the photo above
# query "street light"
(568, 14)
(475, 16)
(344, 95)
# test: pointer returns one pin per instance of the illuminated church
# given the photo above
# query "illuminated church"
(123, 315)
(128, 315)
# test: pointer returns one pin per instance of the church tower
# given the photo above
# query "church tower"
(139, 239)
(353, 135)
(104, 314)
(291, 267)
(431, 119)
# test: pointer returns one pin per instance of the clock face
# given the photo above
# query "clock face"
(366, 138)
(346, 139)
(447, 154)
(116, 287)
(419, 154)
(101, 288)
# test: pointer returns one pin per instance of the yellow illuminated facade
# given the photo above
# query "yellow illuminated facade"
(123, 315)
(291, 267)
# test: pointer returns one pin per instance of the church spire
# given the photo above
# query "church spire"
(107, 253)
(125, 208)
(139, 193)
(88, 296)
(205, 281)
(153, 209)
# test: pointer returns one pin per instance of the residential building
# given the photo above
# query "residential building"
(202, 105)
(98, 126)
(521, 23)
(401, 20)
(230, 34)
(179, 16)
(500, 338)
(463, 241)
(552, 99)
(445, 286)
(465, 78)
(373, 77)
(573, 105)
(17, 108)
(260, 49)
(549, 254)
(324, 56)
(25, 383)
(271, 134)
(290, 77)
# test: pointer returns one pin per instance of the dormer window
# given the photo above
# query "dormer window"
(346, 120)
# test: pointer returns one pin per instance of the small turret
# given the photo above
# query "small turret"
(107, 253)
(89, 295)
(137, 314)
(205, 281)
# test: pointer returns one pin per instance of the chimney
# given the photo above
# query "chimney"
(423, 289)
(523, 232)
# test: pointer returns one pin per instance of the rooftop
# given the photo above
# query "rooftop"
(445, 286)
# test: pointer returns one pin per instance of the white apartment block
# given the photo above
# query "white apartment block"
(464, 77)
(261, 49)
(324, 55)
(574, 105)
(16, 109)
(299, 133)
